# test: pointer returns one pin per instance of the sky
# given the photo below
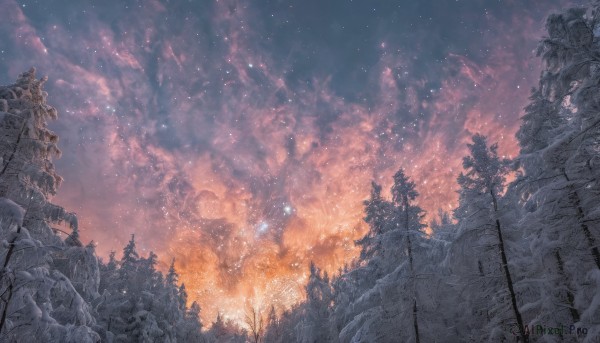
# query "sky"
(240, 138)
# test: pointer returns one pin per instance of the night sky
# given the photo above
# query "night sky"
(241, 137)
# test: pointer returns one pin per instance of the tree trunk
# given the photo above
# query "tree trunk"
(509, 282)
(3, 318)
(10, 286)
(570, 299)
(415, 322)
(581, 217)
(412, 272)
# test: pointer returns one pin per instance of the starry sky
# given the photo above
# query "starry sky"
(241, 137)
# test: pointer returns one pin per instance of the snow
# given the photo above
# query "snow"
(11, 212)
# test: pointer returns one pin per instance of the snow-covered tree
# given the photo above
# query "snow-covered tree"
(285, 328)
(316, 325)
(39, 302)
(273, 330)
(170, 304)
(27, 146)
(481, 251)
(378, 214)
(226, 331)
(392, 295)
(140, 303)
(404, 194)
(559, 157)
(190, 329)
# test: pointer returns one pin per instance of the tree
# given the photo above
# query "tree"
(403, 194)
(571, 77)
(183, 298)
(218, 329)
(398, 283)
(273, 330)
(283, 328)
(254, 320)
(316, 325)
(141, 303)
(38, 302)
(142, 326)
(559, 157)
(223, 331)
(190, 330)
(481, 215)
(377, 215)
(169, 306)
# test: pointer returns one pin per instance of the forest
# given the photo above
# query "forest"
(517, 260)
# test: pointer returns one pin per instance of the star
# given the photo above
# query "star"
(262, 227)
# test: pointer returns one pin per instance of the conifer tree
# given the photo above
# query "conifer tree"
(559, 157)
(38, 301)
(316, 325)
(482, 243)
(190, 330)
(273, 329)
(392, 294)
(404, 194)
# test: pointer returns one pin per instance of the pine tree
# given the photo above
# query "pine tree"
(218, 329)
(170, 302)
(482, 221)
(142, 326)
(378, 213)
(273, 329)
(39, 303)
(183, 298)
(190, 329)
(223, 331)
(316, 325)
(289, 321)
(404, 193)
(396, 286)
(559, 138)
